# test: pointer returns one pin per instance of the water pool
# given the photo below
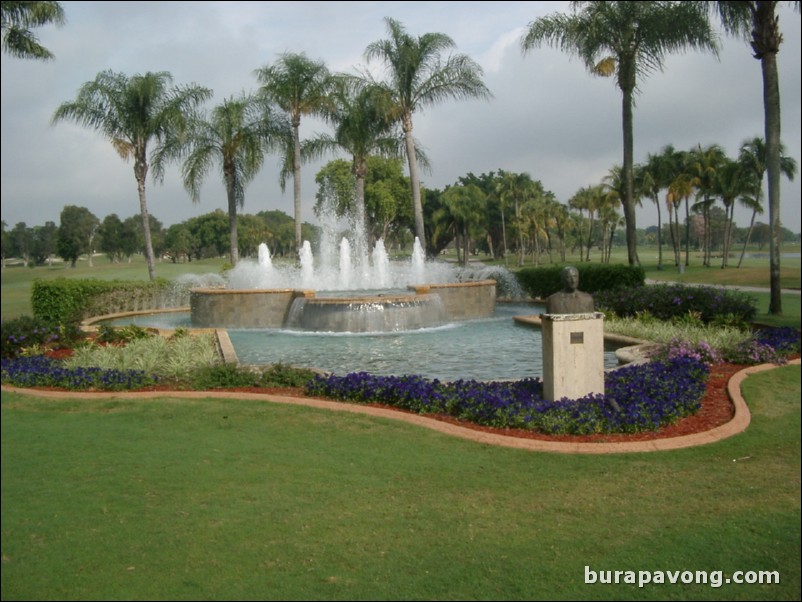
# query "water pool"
(493, 348)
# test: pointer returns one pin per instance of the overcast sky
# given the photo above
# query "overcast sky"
(548, 117)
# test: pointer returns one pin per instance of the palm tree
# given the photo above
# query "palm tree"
(418, 76)
(652, 177)
(682, 186)
(753, 157)
(732, 182)
(132, 112)
(628, 40)
(466, 205)
(590, 199)
(299, 86)
(757, 21)
(17, 20)
(362, 129)
(515, 188)
(612, 189)
(704, 164)
(237, 136)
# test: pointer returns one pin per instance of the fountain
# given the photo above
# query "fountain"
(359, 295)
(343, 287)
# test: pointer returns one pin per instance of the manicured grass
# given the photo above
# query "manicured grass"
(213, 499)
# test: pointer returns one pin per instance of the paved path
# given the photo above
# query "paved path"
(737, 425)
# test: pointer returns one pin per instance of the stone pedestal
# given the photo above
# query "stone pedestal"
(573, 355)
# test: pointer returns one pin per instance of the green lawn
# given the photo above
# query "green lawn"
(215, 499)
(241, 500)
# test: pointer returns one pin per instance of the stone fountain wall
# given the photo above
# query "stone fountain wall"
(270, 308)
(241, 308)
(463, 300)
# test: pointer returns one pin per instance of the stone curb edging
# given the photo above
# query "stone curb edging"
(738, 424)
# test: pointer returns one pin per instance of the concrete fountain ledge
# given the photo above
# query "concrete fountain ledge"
(427, 305)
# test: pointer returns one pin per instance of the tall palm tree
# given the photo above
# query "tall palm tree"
(629, 40)
(704, 165)
(466, 204)
(300, 86)
(237, 135)
(612, 189)
(733, 181)
(17, 20)
(757, 22)
(752, 157)
(419, 76)
(362, 129)
(132, 112)
(516, 188)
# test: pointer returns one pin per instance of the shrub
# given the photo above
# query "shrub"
(540, 282)
(677, 301)
(65, 300)
(26, 332)
(230, 376)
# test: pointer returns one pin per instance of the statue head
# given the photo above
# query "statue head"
(569, 276)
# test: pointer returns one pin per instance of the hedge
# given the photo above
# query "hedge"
(540, 282)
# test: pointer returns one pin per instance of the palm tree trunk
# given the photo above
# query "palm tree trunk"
(504, 237)
(233, 253)
(629, 186)
(687, 232)
(296, 183)
(748, 237)
(771, 107)
(414, 178)
(659, 235)
(141, 172)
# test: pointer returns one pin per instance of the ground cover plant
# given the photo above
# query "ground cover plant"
(637, 398)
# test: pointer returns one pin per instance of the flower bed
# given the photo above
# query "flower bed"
(638, 398)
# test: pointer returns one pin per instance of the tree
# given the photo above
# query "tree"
(210, 234)
(629, 40)
(75, 233)
(515, 189)
(132, 112)
(362, 129)
(757, 22)
(178, 243)
(704, 165)
(237, 136)
(299, 86)
(20, 242)
(44, 242)
(752, 157)
(466, 204)
(419, 76)
(18, 18)
(5, 244)
(652, 177)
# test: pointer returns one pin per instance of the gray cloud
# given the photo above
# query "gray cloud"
(548, 117)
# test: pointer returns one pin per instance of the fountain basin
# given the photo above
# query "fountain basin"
(430, 305)
(389, 313)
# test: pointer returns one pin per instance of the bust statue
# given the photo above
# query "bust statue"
(569, 300)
